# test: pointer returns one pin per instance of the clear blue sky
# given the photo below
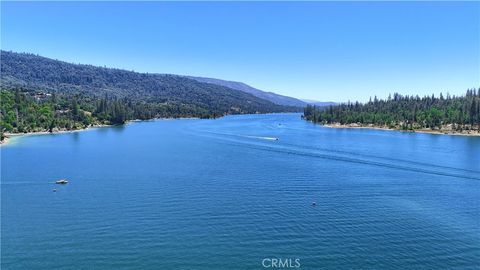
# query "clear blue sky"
(329, 51)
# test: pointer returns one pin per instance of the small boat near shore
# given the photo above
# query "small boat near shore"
(61, 182)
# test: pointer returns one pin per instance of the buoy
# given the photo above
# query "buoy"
(314, 204)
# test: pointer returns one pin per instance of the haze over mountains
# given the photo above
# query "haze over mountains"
(36, 73)
(275, 98)
(319, 103)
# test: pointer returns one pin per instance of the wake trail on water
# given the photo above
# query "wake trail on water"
(322, 149)
(261, 138)
(244, 136)
(26, 183)
(345, 156)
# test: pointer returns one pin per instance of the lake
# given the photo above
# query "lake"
(225, 194)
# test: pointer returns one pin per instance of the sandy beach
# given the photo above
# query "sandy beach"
(9, 136)
(429, 131)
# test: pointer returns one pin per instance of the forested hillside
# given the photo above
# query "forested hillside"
(38, 92)
(33, 72)
(406, 112)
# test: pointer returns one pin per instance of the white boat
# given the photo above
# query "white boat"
(61, 182)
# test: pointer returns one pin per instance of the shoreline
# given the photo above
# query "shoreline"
(424, 131)
(9, 136)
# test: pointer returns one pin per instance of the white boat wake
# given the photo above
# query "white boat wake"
(261, 138)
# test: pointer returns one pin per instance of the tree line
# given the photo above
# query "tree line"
(405, 112)
(30, 111)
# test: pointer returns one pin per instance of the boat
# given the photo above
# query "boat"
(61, 182)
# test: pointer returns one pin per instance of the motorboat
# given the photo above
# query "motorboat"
(61, 182)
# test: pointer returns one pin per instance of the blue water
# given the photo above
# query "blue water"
(224, 194)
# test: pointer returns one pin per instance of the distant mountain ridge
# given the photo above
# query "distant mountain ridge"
(270, 96)
(319, 103)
